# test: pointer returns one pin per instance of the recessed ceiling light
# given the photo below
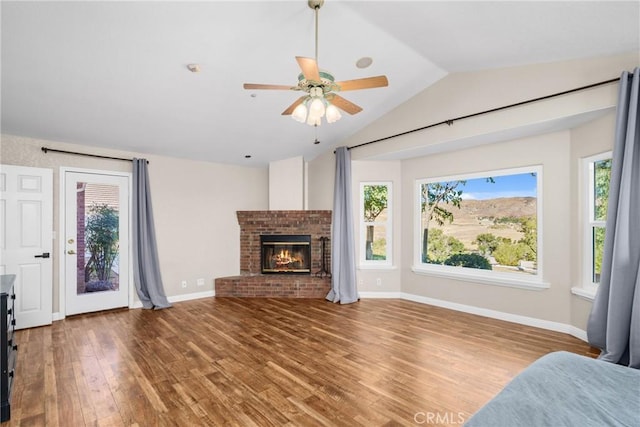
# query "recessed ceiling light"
(364, 62)
(194, 68)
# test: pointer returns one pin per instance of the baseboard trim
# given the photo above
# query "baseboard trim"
(381, 295)
(181, 298)
(493, 314)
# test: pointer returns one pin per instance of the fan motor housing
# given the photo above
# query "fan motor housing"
(327, 82)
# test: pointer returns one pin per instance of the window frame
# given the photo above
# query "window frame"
(589, 223)
(483, 277)
(388, 223)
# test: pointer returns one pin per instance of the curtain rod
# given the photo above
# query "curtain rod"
(53, 150)
(504, 107)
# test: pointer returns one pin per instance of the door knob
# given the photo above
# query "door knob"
(44, 255)
(71, 252)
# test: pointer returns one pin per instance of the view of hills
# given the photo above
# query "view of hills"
(487, 216)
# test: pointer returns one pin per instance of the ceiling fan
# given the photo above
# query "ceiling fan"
(320, 98)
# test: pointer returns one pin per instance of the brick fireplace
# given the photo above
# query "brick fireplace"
(251, 282)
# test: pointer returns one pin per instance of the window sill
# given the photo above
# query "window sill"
(484, 279)
(376, 267)
(587, 293)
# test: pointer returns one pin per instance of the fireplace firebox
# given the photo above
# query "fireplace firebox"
(286, 254)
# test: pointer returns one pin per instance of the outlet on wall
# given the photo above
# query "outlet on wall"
(379, 281)
(184, 283)
(200, 282)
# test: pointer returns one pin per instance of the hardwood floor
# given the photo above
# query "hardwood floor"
(270, 362)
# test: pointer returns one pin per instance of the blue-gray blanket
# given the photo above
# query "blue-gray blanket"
(565, 389)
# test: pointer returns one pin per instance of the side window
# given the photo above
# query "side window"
(375, 224)
(598, 177)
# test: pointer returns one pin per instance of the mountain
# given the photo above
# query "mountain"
(488, 216)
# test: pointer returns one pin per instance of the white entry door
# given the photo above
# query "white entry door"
(26, 218)
(96, 241)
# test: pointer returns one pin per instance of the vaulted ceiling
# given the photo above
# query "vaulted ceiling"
(114, 74)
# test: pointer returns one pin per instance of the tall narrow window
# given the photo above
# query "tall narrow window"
(375, 224)
(598, 176)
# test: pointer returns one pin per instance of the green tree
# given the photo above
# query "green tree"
(101, 239)
(602, 178)
(442, 247)
(469, 261)
(510, 253)
(375, 202)
(487, 243)
(433, 196)
(529, 227)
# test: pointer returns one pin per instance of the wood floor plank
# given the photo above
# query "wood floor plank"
(270, 362)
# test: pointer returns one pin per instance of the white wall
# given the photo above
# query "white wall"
(593, 138)
(531, 134)
(552, 152)
(194, 207)
(375, 171)
(286, 184)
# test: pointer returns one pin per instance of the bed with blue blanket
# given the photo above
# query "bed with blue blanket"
(566, 389)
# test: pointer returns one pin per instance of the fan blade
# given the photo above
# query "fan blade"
(260, 86)
(293, 106)
(309, 68)
(366, 83)
(345, 105)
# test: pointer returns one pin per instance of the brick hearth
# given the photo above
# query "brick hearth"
(251, 283)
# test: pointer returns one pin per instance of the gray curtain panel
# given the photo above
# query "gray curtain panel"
(146, 268)
(614, 323)
(343, 255)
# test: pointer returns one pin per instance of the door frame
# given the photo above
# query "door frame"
(62, 304)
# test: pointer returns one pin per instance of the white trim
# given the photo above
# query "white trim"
(376, 267)
(482, 277)
(493, 314)
(381, 295)
(584, 292)
(508, 317)
(588, 223)
(182, 297)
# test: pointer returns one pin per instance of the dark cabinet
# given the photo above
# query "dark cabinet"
(8, 346)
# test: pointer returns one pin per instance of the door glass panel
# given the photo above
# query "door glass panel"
(98, 241)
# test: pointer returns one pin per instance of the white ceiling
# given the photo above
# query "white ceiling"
(113, 74)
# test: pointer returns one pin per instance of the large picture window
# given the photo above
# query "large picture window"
(375, 224)
(598, 176)
(486, 224)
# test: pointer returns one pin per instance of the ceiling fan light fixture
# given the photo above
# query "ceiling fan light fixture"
(316, 107)
(333, 114)
(299, 113)
(313, 120)
(320, 88)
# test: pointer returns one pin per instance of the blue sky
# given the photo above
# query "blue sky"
(518, 185)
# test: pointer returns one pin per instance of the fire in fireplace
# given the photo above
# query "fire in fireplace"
(285, 253)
